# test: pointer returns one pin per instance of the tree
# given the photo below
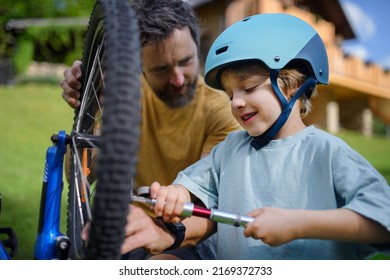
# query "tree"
(38, 9)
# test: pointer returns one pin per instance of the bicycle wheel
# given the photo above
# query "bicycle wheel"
(103, 152)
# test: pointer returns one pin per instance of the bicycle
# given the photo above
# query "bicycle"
(10, 241)
(101, 150)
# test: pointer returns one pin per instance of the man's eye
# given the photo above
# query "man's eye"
(160, 70)
(186, 61)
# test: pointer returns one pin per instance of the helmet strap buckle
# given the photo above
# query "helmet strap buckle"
(264, 139)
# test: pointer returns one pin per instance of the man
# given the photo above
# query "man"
(182, 118)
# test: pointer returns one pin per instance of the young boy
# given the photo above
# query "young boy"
(311, 195)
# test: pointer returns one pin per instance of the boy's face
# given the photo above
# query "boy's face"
(253, 101)
(172, 67)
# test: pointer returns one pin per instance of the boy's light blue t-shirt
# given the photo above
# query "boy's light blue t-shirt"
(309, 170)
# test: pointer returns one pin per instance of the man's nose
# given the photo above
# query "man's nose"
(177, 77)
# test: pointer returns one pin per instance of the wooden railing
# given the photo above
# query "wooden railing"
(345, 70)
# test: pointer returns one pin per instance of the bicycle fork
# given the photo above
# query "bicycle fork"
(50, 242)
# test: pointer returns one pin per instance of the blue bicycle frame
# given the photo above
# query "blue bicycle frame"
(3, 252)
(50, 242)
(11, 241)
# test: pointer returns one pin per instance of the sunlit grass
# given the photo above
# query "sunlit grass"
(30, 114)
(375, 149)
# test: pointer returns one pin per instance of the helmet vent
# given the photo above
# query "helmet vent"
(221, 50)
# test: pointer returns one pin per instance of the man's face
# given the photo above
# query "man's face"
(172, 68)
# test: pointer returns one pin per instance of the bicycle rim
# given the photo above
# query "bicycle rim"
(104, 147)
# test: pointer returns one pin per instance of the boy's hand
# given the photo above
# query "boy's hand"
(274, 226)
(170, 201)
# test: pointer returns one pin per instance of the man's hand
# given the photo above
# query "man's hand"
(71, 84)
(143, 231)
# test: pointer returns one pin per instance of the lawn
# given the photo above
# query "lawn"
(30, 114)
(375, 149)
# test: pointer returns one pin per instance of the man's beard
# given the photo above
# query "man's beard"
(173, 100)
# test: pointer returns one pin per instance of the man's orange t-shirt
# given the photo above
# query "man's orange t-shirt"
(173, 139)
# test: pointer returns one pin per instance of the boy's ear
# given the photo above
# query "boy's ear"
(290, 92)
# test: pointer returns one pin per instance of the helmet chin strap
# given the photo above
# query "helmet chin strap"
(260, 141)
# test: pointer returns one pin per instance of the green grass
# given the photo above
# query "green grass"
(375, 149)
(30, 114)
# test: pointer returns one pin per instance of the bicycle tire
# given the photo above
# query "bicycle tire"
(111, 67)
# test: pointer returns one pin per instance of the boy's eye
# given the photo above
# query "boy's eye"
(229, 95)
(250, 89)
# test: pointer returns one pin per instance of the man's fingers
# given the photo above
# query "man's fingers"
(76, 69)
(134, 241)
(70, 95)
(85, 232)
(72, 77)
(72, 102)
(70, 80)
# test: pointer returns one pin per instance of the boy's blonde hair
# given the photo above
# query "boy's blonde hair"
(289, 78)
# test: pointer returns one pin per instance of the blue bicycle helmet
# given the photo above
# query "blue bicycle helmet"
(275, 40)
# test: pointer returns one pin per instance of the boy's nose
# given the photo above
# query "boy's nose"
(237, 102)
